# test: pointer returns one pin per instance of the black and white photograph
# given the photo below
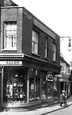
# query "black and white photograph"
(35, 57)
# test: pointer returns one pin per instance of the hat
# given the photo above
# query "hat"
(63, 91)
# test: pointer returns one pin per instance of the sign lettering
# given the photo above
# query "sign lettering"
(11, 63)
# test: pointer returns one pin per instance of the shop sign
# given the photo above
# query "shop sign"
(49, 77)
(11, 63)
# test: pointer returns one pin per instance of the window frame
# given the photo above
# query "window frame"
(35, 44)
(12, 38)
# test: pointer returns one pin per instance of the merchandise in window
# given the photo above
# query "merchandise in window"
(37, 85)
(49, 79)
(43, 86)
(55, 87)
(31, 85)
(34, 85)
(50, 89)
(10, 35)
(15, 85)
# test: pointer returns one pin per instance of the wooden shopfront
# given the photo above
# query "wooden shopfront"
(20, 86)
(24, 84)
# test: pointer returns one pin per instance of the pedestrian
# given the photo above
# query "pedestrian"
(63, 97)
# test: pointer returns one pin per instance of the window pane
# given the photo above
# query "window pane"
(34, 33)
(45, 42)
(46, 47)
(49, 78)
(8, 33)
(54, 56)
(15, 27)
(33, 39)
(54, 51)
(55, 88)
(8, 27)
(37, 85)
(36, 48)
(43, 86)
(31, 85)
(50, 89)
(54, 47)
(8, 42)
(35, 36)
(33, 47)
(14, 42)
(46, 52)
(15, 85)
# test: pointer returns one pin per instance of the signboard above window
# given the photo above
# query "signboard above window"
(11, 63)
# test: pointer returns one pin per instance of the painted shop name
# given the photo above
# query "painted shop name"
(12, 62)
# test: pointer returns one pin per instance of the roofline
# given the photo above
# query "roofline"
(33, 17)
(61, 58)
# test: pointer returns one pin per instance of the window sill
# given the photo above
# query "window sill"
(54, 61)
(9, 49)
(36, 54)
(46, 58)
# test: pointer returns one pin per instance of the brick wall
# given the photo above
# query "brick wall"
(12, 14)
(28, 25)
(25, 24)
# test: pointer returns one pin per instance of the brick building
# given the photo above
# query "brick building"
(29, 58)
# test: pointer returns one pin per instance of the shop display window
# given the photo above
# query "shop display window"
(50, 89)
(37, 85)
(46, 86)
(55, 87)
(49, 79)
(31, 85)
(43, 86)
(15, 85)
(34, 85)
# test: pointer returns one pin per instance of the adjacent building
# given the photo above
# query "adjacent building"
(65, 74)
(29, 58)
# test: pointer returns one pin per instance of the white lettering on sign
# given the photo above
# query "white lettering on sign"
(11, 63)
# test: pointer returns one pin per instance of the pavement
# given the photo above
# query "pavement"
(40, 110)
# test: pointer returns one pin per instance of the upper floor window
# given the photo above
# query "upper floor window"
(46, 47)
(54, 51)
(34, 42)
(10, 35)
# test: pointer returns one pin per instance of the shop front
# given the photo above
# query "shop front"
(18, 88)
(23, 85)
(20, 85)
(47, 86)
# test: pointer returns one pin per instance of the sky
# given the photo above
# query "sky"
(56, 14)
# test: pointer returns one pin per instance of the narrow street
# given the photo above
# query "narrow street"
(64, 111)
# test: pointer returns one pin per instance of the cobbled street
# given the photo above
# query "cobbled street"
(64, 111)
